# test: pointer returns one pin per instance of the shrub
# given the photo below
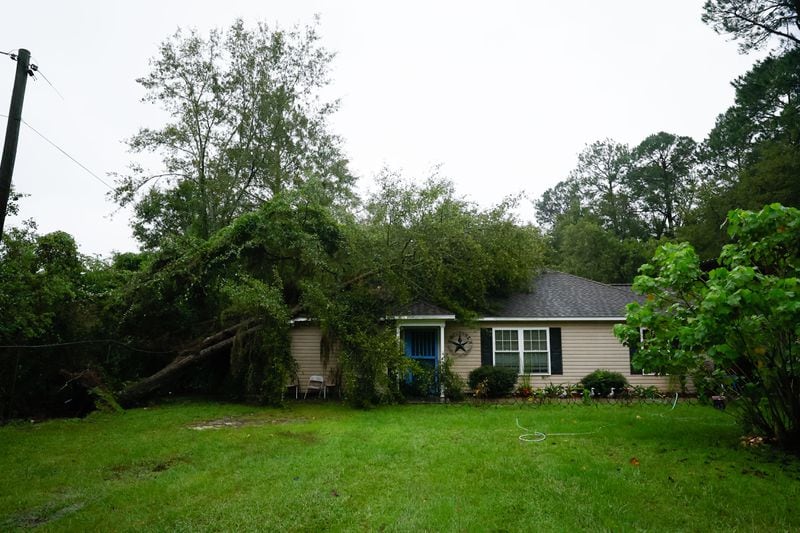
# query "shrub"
(497, 381)
(709, 381)
(603, 380)
(453, 383)
(418, 382)
(372, 363)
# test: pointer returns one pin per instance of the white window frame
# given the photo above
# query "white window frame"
(521, 349)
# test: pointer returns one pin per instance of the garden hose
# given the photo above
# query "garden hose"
(538, 436)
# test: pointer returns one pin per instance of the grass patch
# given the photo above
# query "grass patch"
(402, 468)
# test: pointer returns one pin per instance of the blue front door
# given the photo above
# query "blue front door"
(422, 345)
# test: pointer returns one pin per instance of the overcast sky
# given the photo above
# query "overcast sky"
(503, 95)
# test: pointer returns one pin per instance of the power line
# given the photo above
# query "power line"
(57, 147)
(75, 343)
(95, 176)
(36, 70)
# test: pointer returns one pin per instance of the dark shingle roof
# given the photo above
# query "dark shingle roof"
(423, 309)
(559, 295)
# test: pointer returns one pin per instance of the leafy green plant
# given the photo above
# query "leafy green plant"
(710, 382)
(481, 389)
(648, 393)
(743, 316)
(418, 381)
(552, 390)
(603, 380)
(373, 366)
(499, 381)
(452, 383)
(524, 388)
(261, 366)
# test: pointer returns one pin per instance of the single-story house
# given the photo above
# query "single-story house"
(557, 332)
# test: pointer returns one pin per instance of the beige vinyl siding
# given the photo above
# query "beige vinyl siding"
(306, 351)
(463, 364)
(586, 346)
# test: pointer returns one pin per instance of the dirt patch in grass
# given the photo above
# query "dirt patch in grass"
(308, 438)
(142, 469)
(231, 422)
(243, 421)
(40, 516)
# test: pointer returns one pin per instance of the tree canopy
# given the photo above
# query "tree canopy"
(246, 121)
(755, 22)
(604, 218)
(750, 158)
(742, 316)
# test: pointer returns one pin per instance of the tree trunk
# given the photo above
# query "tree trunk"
(209, 347)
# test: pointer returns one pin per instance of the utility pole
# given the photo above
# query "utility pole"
(23, 58)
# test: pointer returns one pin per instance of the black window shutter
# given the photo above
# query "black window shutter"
(632, 349)
(556, 362)
(486, 347)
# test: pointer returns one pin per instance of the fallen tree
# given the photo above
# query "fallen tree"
(216, 344)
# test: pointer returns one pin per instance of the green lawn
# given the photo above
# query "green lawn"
(314, 466)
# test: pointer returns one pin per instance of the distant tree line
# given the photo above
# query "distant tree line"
(619, 202)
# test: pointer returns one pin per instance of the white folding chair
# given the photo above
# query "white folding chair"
(316, 383)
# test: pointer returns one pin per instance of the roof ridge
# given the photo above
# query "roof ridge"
(582, 278)
(627, 290)
(560, 294)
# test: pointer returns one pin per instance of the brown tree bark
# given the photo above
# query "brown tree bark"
(208, 347)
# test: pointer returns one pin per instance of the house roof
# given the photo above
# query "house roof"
(424, 310)
(552, 295)
(559, 295)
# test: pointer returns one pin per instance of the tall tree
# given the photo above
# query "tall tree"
(592, 220)
(246, 122)
(585, 248)
(755, 22)
(601, 172)
(563, 201)
(752, 156)
(663, 179)
(297, 256)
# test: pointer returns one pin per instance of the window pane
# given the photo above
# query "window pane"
(507, 360)
(535, 340)
(506, 340)
(535, 362)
